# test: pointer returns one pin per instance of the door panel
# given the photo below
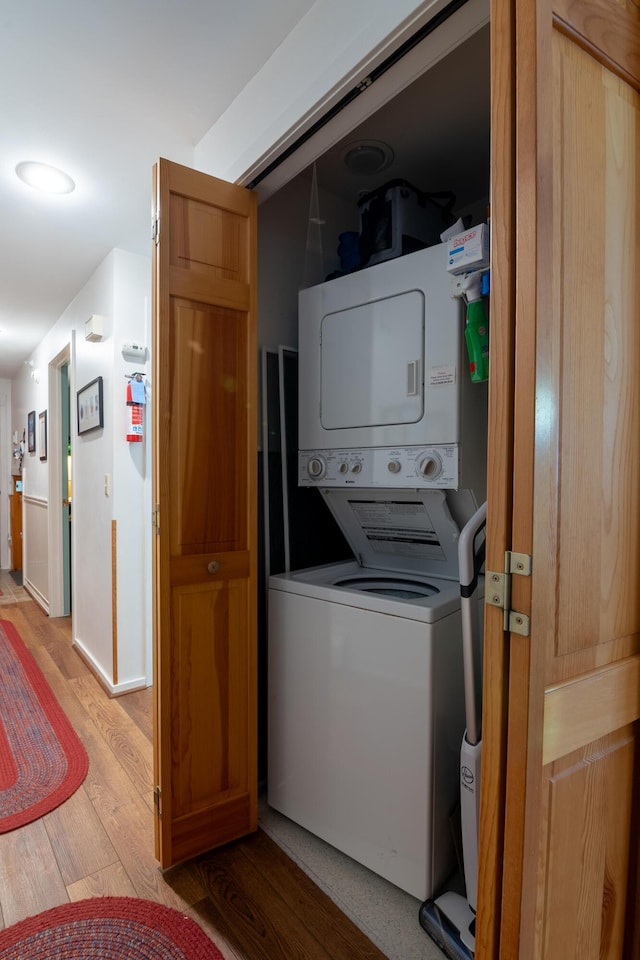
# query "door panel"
(570, 842)
(586, 813)
(205, 449)
(209, 428)
(594, 347)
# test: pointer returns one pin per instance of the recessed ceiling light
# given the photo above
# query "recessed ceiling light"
(42, 177)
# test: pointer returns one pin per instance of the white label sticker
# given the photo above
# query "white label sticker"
(440, 375)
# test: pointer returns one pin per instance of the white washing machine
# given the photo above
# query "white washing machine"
(366, 696)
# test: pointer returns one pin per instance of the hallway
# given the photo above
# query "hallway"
(254, 901)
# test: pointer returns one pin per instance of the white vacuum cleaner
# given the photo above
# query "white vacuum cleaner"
(450, 919)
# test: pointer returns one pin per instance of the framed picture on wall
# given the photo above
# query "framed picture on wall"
(42, 434)
(31, 432)
(90, 415)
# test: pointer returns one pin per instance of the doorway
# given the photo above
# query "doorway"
(60, 485)
(437, 131)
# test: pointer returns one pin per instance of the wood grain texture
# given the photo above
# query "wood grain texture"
(205, 480)
(81, 844)
(139, 707)
(29, 877)
(299, 921)
(578, 314)
(581, 913)
(116, 728)
(524, 259)
(499, 475)
(585, 708)
(596, 392)
(15, 511)
(606, 31)
(111, 881)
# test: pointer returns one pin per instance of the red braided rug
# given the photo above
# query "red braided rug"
(42, 761)
(108, 928)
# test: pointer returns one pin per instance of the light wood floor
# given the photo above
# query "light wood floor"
(253, 901)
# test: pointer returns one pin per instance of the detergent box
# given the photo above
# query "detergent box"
(469, 250)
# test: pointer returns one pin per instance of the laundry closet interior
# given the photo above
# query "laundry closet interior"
(432, 136)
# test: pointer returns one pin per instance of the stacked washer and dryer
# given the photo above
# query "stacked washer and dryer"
(366, 697)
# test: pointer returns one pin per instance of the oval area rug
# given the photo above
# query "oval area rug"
(42, 759)
(108, 928)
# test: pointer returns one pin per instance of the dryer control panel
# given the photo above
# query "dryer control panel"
(434, 467)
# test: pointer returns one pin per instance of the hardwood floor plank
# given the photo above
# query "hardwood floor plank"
(128, 743)
(204, 914)
(112, 881)
(29, 877)
(340, 935)
(139, 706)
(81, 844)
(266, 906)
(58, 645)
(130, 830)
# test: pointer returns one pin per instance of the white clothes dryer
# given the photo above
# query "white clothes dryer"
(366, 701)
(385, 395)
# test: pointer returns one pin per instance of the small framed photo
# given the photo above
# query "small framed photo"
(42, 434)
(90, 411)
(31, 432)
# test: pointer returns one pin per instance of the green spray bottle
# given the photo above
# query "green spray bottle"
(476, 331)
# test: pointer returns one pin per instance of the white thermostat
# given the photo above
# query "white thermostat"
(135, 352)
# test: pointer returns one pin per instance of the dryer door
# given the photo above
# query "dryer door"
(371, 363)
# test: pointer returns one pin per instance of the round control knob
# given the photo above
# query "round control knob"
(356, 468)
(316, 467)
(394, 466)
(429, 466)
(343, 468)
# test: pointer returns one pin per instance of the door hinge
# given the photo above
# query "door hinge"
(157, 800)
(155, 518)
(498, 591)
(155, 228)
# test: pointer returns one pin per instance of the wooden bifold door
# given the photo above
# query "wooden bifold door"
(559, 844)
(205, 491)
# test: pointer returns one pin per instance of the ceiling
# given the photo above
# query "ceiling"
(101, 90)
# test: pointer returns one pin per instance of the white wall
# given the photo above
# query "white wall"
(6, 465)
(92, 455)
(131, 486)
(118, 290)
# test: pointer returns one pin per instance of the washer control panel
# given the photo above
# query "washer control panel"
(427, 467)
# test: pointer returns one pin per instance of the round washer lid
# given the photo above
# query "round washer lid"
(401, 588)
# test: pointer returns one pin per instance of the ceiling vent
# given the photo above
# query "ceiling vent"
(366, 157)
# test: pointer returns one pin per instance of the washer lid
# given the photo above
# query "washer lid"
(407, 530)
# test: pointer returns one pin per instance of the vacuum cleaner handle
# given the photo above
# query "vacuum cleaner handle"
(471, 553)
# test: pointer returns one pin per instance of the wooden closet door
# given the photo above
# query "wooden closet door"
(205, 485)
(570, 857)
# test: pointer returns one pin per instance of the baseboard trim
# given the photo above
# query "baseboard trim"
(113, 689)
(33, 592)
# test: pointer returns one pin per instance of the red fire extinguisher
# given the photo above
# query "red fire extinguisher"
(136, 400)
